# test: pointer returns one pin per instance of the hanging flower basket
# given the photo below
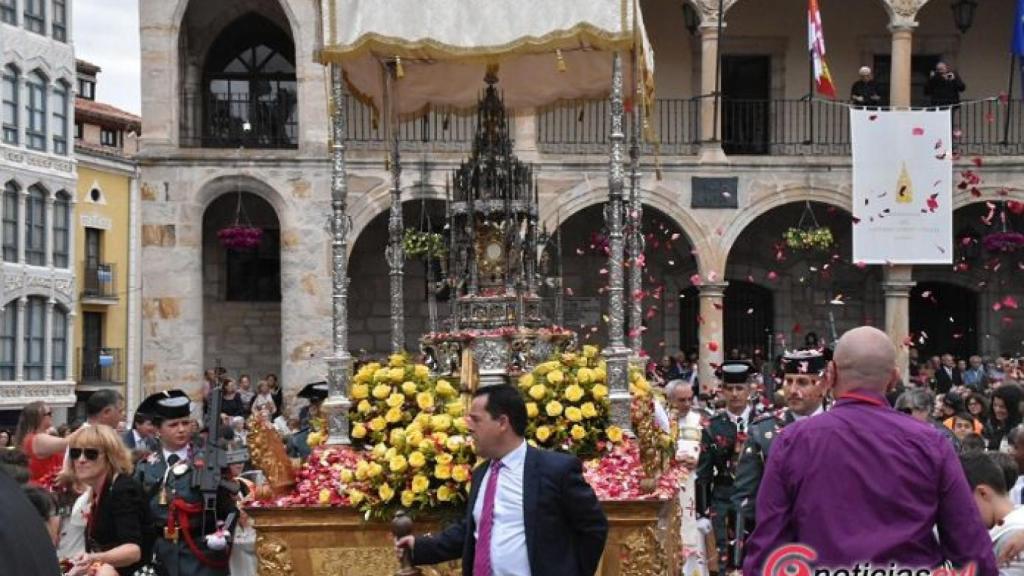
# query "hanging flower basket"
(240, 237)
(818, 238)
(1003, 242)
(423, 244)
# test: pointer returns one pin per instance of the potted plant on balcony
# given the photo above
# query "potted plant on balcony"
(808, 234)
(1005, 241)
(240, 235)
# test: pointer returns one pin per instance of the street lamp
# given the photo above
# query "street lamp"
(963, 14)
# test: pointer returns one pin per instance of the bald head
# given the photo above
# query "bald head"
(865, 357)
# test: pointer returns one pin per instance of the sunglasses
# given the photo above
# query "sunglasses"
(91, 454)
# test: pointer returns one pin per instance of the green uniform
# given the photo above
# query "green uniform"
(750, 468)
(178, 489)
(721, 441)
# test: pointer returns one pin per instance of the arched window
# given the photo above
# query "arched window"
(61, 229)
(8, 336)
(9, 104)
(59, 104)
(59, 344)
(35, 224)
(35, 337)
(9, 12)
(35, 132)
(249, 87)
(10, 222)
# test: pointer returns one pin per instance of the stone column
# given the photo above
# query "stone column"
(22, 231)
(896, 286)
(69, 361)
(616, 354)
(902, 15)
(339, 364)
(395, 253)
(19, 344)
(48, 343)
(49, 231)
(710, 333)
(710, 122)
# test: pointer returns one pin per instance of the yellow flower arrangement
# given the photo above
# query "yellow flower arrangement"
(567, 403)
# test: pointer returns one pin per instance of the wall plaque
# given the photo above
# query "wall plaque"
(714, 192)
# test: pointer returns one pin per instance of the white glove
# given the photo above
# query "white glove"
(704, 525)
(217, 541)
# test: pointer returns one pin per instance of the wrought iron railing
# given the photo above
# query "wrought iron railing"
(439, 130)
(582, 127)
(100, 365)
(212, 120)
(768, 127)
(100, 281)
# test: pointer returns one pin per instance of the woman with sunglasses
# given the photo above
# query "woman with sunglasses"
(45, 452)
(117, 514)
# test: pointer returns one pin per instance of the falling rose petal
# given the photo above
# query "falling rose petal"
(933, 203)
(750, 310)
(568, 291)
(873, 117)
(712, 276)
(997, 306)
(1010, 302)
(603, 271)
(696, 280)
(926, 294)
(975, 192)
(1007, 320)
(604, 318)
(917, 131)
(675, 236)
(772, 275)
(650, 314)
(713, 346)
(976, 161)
(1004, 97)
(838, 300)
(957, 133)
(796, 329)
(717, 306)
(579, 251)
(860, 264)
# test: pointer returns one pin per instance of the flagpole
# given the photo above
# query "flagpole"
(810, 79)
(1009, 100)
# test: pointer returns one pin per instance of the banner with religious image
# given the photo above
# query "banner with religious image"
(902, 186)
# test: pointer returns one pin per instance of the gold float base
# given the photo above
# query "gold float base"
(643, 540)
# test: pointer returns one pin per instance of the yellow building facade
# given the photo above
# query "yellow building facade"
(103, 231)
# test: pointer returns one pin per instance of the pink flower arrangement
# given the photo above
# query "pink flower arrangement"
(318, 482)
(239, 237)
(617, 476)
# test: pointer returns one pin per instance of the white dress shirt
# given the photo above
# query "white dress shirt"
(797, 417)
(742, 421)
(508, 533)
(182, 454)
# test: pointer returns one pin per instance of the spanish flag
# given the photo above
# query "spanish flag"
(816, 43)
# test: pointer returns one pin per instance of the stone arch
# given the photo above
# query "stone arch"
(965, 200)
(182, 8)
(775, 199)
(378, 200)
(572, 201)
(219, 185)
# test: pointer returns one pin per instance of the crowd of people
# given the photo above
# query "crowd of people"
(124, 499)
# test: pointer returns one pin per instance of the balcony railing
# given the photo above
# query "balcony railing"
(582, 127)
(440, 130)
(213, 120)
(100, 281)
(768, 127)
(100, 366)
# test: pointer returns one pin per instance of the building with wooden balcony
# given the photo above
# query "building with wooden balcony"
(236, 132)
(108, 342)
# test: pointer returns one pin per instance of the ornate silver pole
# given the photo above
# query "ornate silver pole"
(395, 253)
(339, 364)
(636, 214)
(616, 354)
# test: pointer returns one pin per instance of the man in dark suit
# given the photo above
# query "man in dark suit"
(530, 512)
(142, 436)
(25, 545)
(947, 375)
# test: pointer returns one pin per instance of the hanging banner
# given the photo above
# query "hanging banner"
(902, 186)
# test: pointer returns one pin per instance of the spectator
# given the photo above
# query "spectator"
(977, 406)
(946, 375)
(245, 390)
(5, 439)
(997, 372)
(963, 424)
(944, 86)
(864, 91)
(230, 400)
(1017, 488)
(238, 428)
(264, 401)
(996, 510)
(14, 463)
(45, 505)
(63, 430)
(972, 443)
(1003, 416)
(277, 394)
(1007, 465)
(45, 452)
(24, 545)
(117, 508)
(105, 407)
(918, 403)
(141, 439)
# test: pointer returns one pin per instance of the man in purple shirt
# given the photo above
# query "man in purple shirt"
(865, 483)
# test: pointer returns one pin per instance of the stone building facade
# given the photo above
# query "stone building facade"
(223, 128)
(37, 174)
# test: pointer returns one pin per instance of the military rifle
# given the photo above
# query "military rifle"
(216, 456)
